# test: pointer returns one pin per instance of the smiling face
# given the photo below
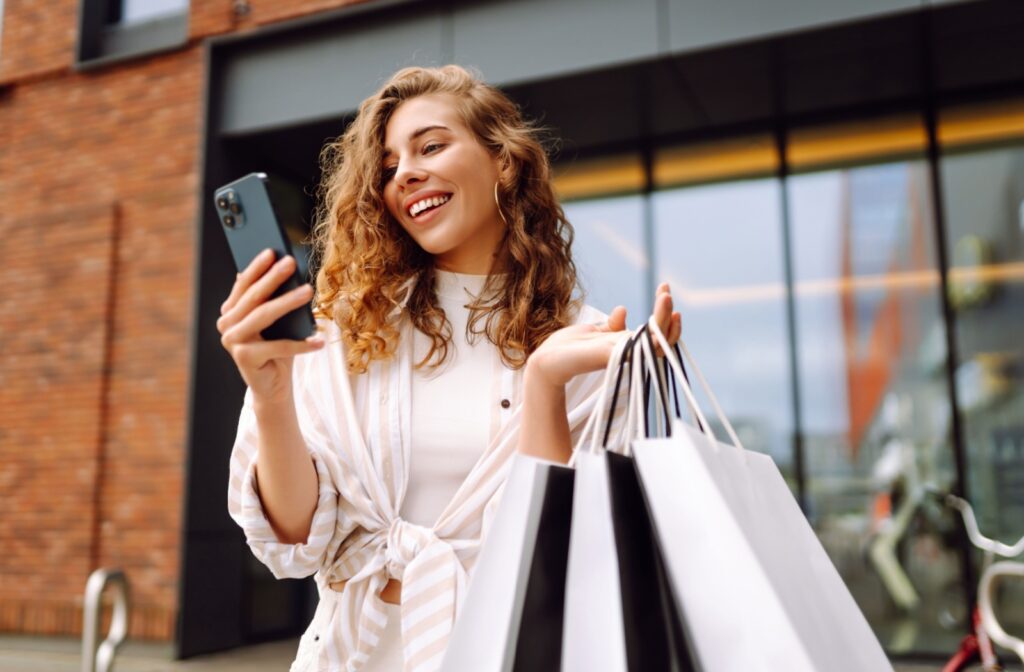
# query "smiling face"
(439, 184)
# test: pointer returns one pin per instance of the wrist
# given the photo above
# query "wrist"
(272, 404)
(535, 380)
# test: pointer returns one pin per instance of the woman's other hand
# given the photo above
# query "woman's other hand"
(265, 366)
(576, 349)
(582, 348)
(568, 352)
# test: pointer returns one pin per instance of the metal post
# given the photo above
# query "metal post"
(102, 659)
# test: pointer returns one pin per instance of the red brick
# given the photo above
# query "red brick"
(98, 181)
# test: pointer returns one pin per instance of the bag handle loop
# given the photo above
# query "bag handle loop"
(589, 436)
(676, 363)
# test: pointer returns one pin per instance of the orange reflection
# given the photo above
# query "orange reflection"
(1010, 272)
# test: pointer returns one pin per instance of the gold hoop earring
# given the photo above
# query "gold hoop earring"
(498, 203)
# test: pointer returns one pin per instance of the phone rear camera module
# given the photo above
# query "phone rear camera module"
(230, 221)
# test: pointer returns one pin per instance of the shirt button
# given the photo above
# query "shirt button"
(505, 403)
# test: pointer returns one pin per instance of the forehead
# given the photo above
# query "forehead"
(419, 112)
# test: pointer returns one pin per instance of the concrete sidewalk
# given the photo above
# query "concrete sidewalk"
(48, 654)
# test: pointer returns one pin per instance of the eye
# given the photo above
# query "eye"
(432, 147)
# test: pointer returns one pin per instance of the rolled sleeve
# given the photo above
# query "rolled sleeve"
(246, 508)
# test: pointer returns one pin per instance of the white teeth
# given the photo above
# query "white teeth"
(419, 206)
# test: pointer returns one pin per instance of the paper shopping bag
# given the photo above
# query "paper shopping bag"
(618, 612)
(511, 617)
(755, 588)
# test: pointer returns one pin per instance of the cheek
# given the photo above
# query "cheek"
(391, 202)
(480, 189)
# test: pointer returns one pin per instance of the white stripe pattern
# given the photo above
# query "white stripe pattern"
(356, 429)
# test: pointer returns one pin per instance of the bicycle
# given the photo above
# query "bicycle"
(985, 628)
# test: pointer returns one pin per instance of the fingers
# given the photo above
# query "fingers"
(663, 306)
(256, 268)
(617, 319)
(266, 314)
(256, 292)
(676, 330)
(253, 355)
(663, 313)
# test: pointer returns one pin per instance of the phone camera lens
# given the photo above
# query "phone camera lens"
(229, 221)
(235, 208)
(222, 202)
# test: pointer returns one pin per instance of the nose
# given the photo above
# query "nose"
(408, 172)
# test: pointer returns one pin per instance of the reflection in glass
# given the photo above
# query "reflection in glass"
(610, 254)
(138, 11)
(870, 336)
(719, 247)
(983, 193)
(874, 403)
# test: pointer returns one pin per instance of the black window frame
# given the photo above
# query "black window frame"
(101, 42)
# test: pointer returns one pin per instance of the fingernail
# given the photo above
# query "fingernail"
(315, 340)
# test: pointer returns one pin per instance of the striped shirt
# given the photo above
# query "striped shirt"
(356, 429)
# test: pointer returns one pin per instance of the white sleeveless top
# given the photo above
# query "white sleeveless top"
(451, 421)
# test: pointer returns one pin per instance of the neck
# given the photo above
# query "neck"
(472, 264)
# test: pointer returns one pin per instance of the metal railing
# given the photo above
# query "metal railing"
(101, 659)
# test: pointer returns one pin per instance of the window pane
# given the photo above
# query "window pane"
(983, 193)
(720, 249)
(874, 402)
(137, 11)
(610, 254)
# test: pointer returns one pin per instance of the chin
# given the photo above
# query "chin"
(435, 243)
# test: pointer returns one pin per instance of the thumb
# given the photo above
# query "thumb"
(617, 319)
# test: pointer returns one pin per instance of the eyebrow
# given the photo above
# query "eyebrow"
(418, 132)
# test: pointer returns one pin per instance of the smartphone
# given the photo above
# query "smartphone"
(247, 217)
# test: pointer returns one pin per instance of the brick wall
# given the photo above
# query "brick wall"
(98, 187)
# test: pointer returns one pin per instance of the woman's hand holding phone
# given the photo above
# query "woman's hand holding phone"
(266, 366)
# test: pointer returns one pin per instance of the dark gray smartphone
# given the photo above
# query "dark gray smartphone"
(251, 226)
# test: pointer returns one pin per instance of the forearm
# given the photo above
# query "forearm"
(288, 482)
(544, 431)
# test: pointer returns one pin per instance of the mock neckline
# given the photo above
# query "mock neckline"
(451, 285)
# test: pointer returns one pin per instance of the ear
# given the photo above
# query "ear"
(507, 171)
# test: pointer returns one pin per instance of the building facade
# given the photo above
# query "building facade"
(835, 191)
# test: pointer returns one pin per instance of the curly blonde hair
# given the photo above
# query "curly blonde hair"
(366, 259)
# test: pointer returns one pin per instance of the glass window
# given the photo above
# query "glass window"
(112, 30)
(610, 253)
(139, 11)
(720, 248)
(600, 199)
(983, 197)
(874, 401)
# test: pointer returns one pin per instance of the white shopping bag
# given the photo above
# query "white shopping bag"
(616, 612)
(511, 616)
(755, 589)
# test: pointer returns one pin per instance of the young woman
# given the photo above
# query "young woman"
(373, 453)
